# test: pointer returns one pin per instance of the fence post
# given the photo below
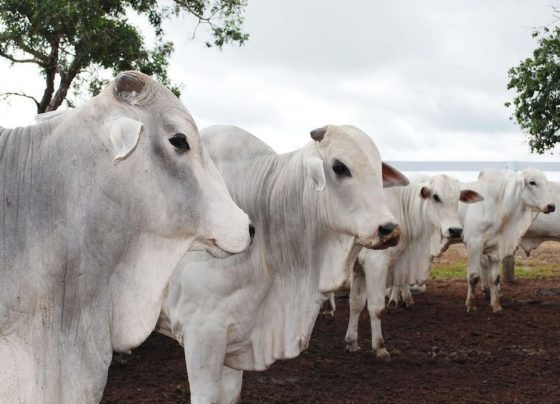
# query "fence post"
(508, 269)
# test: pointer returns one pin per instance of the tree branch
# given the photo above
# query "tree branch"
(66, 79)
(5, 96)
(13, 59)
(201, 17)
(50, 75)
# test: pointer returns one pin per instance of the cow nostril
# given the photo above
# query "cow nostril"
(387, 229)
(551, 208)
(251, 231)
(455, 232)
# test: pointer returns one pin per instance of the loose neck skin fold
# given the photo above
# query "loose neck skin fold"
(295, 251)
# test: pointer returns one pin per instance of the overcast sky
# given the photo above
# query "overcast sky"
(425, 79)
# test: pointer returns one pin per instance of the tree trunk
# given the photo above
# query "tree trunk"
(508, 269)
(49, 90)
(50, 76)
(62, 91)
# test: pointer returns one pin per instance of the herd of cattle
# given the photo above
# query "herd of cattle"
(118, 219)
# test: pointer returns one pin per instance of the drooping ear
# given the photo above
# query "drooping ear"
(316, 170)
(124, 133)
(425, 192)
(470, 196)
(392, 177)
(318, 134)
(128, 85)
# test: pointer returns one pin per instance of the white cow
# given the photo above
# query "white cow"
(98, 205)
(427, 211)
(544, 227)
(314, 209)
(493, 228)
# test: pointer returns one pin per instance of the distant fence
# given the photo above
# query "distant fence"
(473, 165)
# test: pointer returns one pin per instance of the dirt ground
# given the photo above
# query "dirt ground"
(439, 354)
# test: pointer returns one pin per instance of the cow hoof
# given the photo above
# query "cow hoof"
(352, 347)
(470, 308)
(393, 305)
(328, 313)
(497, 309)
(383, 355)
(409, 305)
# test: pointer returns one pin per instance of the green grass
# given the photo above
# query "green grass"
(532, 271)
(451, 271)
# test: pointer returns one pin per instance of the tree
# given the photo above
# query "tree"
(74, 41)
(537, 83)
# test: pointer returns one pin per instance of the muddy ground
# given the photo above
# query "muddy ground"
(439, 354)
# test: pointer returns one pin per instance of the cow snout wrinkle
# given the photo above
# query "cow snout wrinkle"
(455, 232)
(387, 228)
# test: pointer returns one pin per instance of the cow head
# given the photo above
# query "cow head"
(350, 175)
(441, 195)
(535, 191)
(156, 146)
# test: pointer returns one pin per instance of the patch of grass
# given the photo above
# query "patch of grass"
(536, 272)
(457, 270)
(533, 270)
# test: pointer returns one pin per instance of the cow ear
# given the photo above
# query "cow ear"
(425, 193)
(470, 196)
(392, 177)
(316, 170)
(124, 134)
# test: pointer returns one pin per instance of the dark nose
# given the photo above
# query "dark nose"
(550, 208)
(251, 231)
(455, 232)
(387, 228)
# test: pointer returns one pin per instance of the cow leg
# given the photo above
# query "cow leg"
(357, 303)
(329, 306)
(473, 274)
(333, 303)
(375, 286)
(495, 286)
(486, 280)
(407, 296)
(395, 297)
(205, 351)
(231, 385)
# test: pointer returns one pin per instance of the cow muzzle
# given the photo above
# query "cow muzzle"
(551, 207)
(388, 235)
(455, 233)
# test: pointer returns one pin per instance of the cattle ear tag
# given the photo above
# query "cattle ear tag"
(124, 134)
(316, 170)
(425, 192)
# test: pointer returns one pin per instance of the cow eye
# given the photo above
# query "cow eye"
(340, 169)
(533, 183)
(436, 198)
(179, 142)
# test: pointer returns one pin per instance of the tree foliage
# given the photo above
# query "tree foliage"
(537, 83)
(74, 41)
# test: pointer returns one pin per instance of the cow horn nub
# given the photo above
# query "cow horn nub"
(318, 134)
(128, 83)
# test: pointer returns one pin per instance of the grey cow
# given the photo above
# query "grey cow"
(98, 206)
